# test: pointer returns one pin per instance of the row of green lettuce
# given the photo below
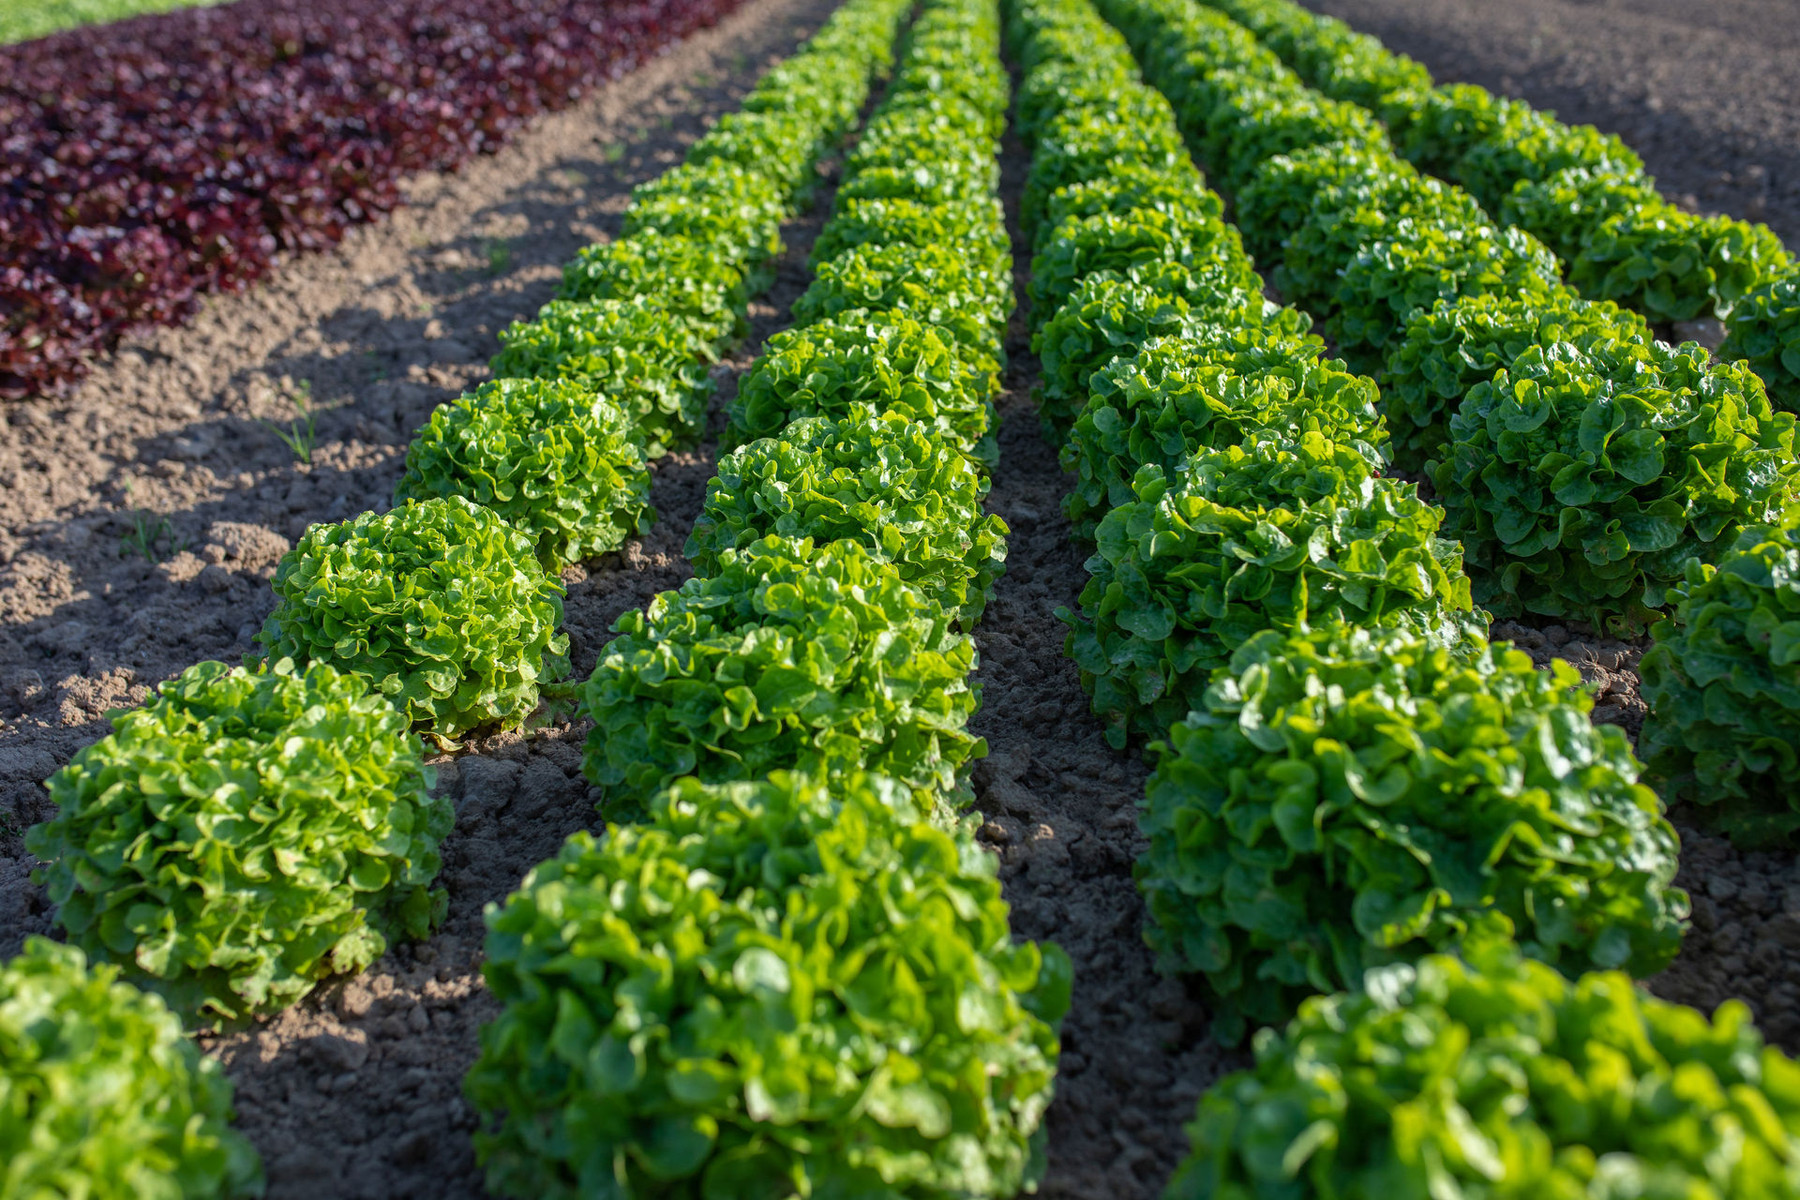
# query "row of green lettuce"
(250, 832)
(1583, 193)
(1363, 818)
(786, 969)
(1588, 470)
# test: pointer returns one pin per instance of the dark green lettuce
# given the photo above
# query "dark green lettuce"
(1284, 190)
(1563, 209)
(1723, 686)
(1246, 125)
(1349, 217)
(1580, 480)
(1127, 242)
(245, 835)
(1671, 265)
(1346, 798)
(1420, 262)
(1764, 329)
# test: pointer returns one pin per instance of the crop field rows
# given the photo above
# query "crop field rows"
(1107, 605)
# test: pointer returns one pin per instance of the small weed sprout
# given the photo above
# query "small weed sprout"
(148, 531)
(302, 433)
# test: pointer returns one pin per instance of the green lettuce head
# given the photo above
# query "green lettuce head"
(440, 604)
(1723, 686)
(100, 1094)
(631, 352)
(1493, 1075)
(1344, 798)
(883, 360)
(871, 477)
(774, 987)
(1177, 396)
(1581, 480)
(1765, 330)
(557, 461)
(1271, 533)
(245, 835)
(790, 655)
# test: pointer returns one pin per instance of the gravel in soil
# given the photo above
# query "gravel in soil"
(1706, 93)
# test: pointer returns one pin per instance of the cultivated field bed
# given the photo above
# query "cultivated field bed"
(357, 1090)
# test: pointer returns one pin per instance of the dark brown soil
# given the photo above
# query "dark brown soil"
(1061, 811)
(1706, 93)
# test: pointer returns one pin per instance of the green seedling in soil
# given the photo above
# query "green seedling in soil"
(499, 256)
(147, 532)
(302, 433)
(613, 152)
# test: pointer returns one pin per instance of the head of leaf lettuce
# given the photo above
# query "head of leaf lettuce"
(244, 835)
(1345, 798)
(441, 604)
(1582, 477)
(104, 1096)
(1485, 1073)
(787, 654)
(769, 988)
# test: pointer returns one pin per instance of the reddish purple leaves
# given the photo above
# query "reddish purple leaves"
(145, 163)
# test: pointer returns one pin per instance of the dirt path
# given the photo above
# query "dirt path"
(1709, 94)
